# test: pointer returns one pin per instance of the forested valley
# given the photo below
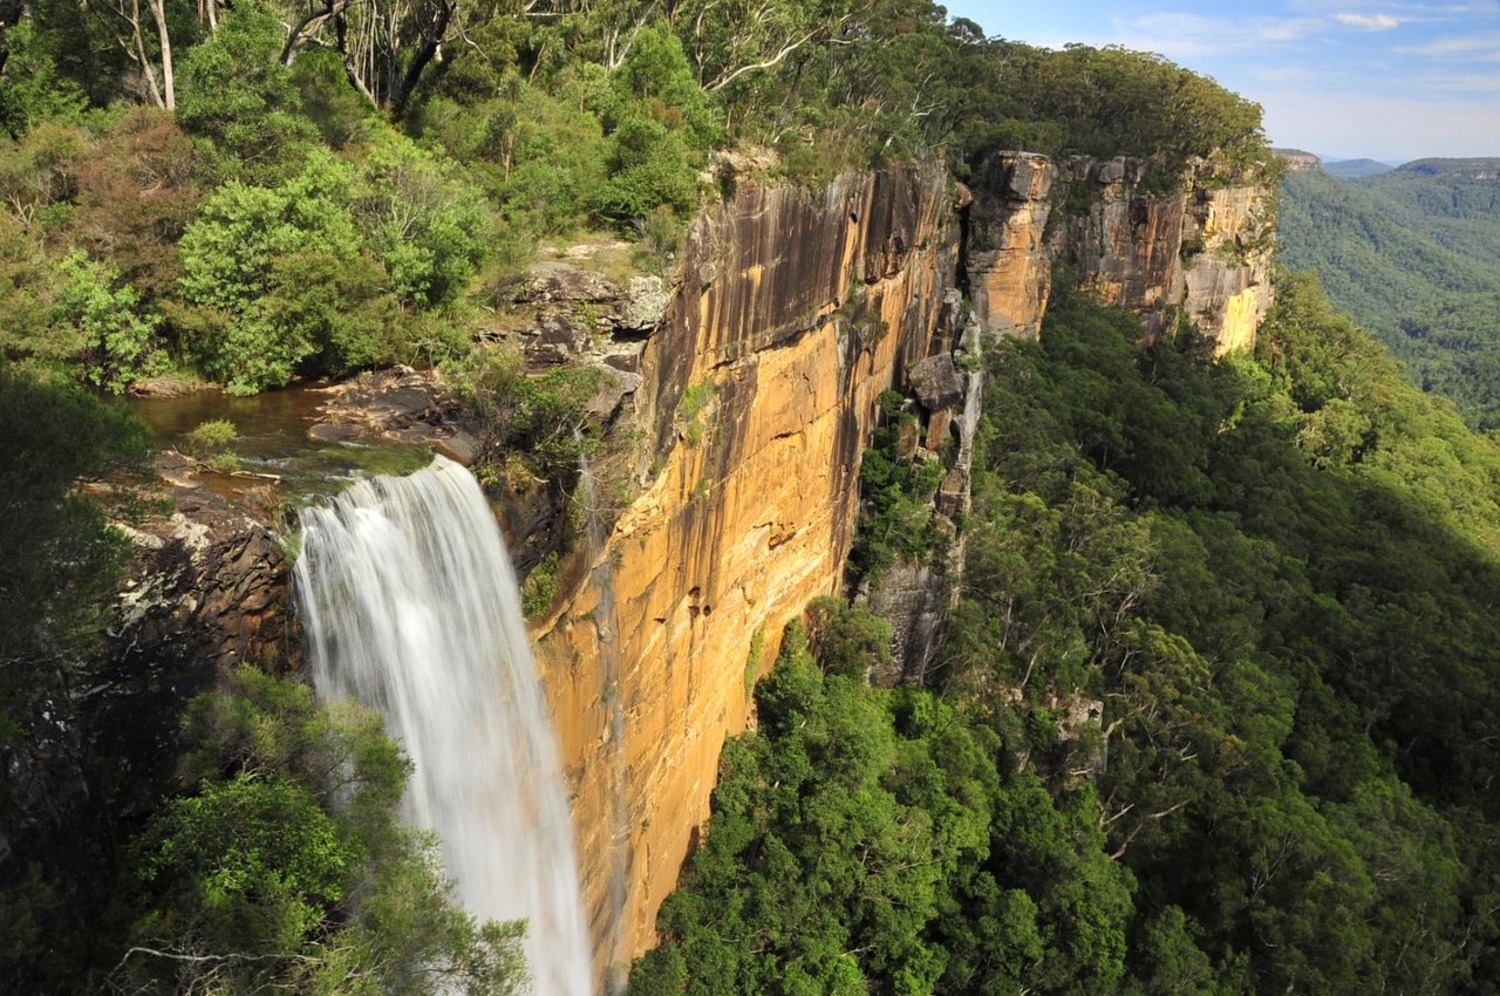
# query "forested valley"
(1215, 710)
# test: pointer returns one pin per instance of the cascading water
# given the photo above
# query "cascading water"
(411, 607)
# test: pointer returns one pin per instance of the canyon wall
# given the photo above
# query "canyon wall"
(755, 400)
(795, 310)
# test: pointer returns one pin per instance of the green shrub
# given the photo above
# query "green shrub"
(209, 438)
(540, 587)
(691, 411)
(276, 281)
(428, 229)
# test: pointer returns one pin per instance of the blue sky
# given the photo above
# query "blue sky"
(1388, 79)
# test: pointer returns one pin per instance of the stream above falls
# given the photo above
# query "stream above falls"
(274, 443)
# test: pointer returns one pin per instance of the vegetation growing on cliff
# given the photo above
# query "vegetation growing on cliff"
(1216, 711)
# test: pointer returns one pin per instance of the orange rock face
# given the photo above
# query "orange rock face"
(1009, 268)
(795, 311)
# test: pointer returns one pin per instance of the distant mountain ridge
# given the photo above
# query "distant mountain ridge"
(1485, 169)
(1413, 255)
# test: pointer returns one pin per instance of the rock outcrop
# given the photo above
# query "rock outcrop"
(208, 589)
(1195, 246)
(1009, 269)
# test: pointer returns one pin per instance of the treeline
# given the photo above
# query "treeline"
(1217, 710)
(1412, 255)
(251, 193)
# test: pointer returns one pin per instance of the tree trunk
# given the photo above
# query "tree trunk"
(168, 84)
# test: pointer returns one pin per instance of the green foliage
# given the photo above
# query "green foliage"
(117, 337)
(274, 278)
(428, 229)
(35, 91)
(1411, 256)
(896, 522)
(865, 840)
(539, 589)
(691, 411)
(288, 866)
(543, 418)
(236, 93)
(209, 438)
(847, 640)
(61, 560)
(59, 582)
(1218, 589)
(248, 865)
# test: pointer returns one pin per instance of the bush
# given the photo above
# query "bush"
(276, 281)
(209, 438)
(117, 336)
(235, 92)
(428, 229)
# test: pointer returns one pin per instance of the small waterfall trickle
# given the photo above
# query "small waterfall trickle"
(411, 607)
(606, 625)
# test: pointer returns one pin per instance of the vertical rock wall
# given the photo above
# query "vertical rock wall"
(758, 391)
(795, 310)
(1009, 269)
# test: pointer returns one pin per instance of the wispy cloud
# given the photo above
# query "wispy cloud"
(1180, 35)
(1461, 82)
(1484, 47)
(1368, 22)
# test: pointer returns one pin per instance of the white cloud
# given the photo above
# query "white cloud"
(1182, 35)
(1461, 82)
(1368, 22)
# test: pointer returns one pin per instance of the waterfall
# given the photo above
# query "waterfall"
(411, 607)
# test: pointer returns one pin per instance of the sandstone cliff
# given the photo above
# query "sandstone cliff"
(756, 396)
(1008, 266)
(795, 310)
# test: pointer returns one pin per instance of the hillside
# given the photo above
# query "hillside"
(1351, 168)
(1413, 255)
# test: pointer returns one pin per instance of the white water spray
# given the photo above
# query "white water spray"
(411, 607)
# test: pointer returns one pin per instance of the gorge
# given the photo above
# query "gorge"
(942, 568)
